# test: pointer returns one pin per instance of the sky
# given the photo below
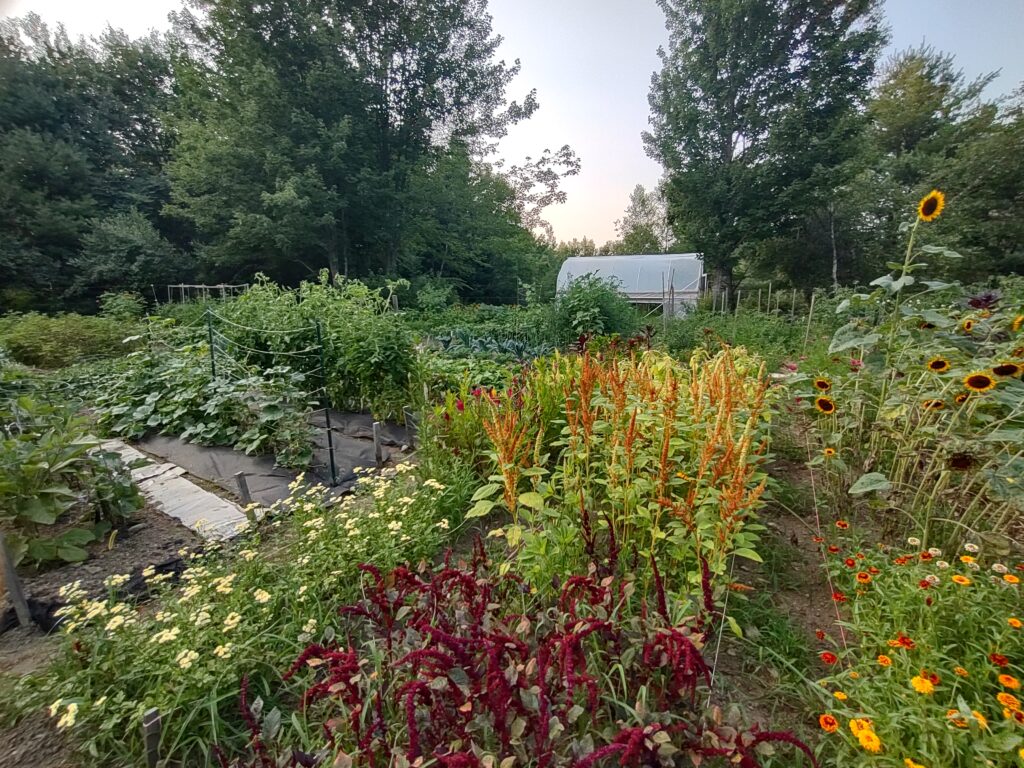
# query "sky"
(591, 62)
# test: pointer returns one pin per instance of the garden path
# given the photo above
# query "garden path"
(209, 515)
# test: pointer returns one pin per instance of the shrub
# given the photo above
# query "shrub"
(122, 306)
(54, 341)
(52, 473)
(591, 305)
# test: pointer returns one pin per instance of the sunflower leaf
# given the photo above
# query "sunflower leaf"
(872, 481)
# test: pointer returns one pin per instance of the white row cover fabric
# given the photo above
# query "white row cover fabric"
(641, 278)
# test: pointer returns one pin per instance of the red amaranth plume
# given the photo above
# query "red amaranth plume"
(659, 588)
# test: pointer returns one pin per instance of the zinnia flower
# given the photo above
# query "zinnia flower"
(931, 205)
(829, 658)
(842, 524)
(870, 741)
(979, 381)
(884, 660)
(963, 581)
(859, 725)
(840, 695)
(828, 723)
(922, 685)
(960, 672)
(911, 764)
(1009, 681)
(1009, 578)
(863, 577)
(1008, 700)
(1015, 622)
(999, 660)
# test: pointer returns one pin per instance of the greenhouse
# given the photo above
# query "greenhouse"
(671, 281)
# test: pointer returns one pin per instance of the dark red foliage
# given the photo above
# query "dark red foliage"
(446, 673)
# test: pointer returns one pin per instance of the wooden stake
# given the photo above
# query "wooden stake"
(378, 450)
(151, 736)
(810, 314)
(14, 589)
(739, 295)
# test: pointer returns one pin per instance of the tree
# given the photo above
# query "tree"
(80, 137)
(271, 172)
(753, 106)
(643, 227)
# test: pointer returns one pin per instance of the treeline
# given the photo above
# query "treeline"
(280, 137)
(791, 150)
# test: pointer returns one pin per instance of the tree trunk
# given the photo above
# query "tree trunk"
(332, 252)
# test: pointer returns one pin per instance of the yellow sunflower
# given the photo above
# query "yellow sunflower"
(933, 405)
(961, 398)
(931, 206)
(967, 325)
(1017, 324)
(825, 404)
(822, 384)
(828, 453)
(979, 381)
(938, 365)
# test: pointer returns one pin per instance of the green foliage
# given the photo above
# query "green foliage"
(53, 341)
(591, 305)
(122, 306)
(953, 611)
(58, 490)
(929, 425)
(171, 392)
(248, 611)
(753, 113)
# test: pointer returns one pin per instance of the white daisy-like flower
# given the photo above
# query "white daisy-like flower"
(941, 564)
(934, 551)
(914, 541)
(1000, 568)
(972, 548)
(186, 659)
(222, 651)
(261, 596)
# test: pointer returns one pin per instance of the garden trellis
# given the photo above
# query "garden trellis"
(223, 349)
(185, 292)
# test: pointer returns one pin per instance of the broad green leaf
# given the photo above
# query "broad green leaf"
(480, 509)
(872, 481)
(749, 554)
(532, 499)
(486, 491)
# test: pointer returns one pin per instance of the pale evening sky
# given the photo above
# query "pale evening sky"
(591, 63)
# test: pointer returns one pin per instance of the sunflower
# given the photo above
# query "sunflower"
(938, 365)
(967, 325)
(979, 381)
(961, 462)
(963, 581)
(1017, 324)
(822, 384)
(828, 723)
(931, 206)
(825, 405)
(1006, 368)
(933, 405)
(961, 398)
(828, 453)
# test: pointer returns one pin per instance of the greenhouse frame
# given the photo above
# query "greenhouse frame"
(670, 282)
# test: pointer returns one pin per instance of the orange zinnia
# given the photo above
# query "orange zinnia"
(828, 723)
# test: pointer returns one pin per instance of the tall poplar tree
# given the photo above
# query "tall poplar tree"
(755, 107)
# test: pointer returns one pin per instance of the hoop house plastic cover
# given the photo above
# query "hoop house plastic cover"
(641, 278)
